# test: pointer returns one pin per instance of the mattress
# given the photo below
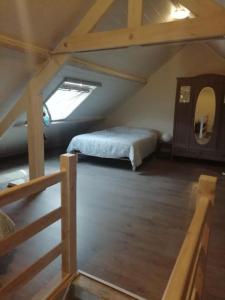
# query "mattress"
(117, 142)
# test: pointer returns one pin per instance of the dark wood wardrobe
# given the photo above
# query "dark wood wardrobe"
(199, 119)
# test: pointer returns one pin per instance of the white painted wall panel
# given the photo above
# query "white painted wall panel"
(153, 106)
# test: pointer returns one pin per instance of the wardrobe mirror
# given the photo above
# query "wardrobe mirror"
(205, 115)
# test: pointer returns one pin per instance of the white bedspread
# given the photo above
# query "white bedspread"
(117, 142)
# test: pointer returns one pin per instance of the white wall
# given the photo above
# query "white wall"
(84, 118)
(153, 106)
(139, 60)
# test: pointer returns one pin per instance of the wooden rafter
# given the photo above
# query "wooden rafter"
(11, 43)
(32, 49)
(41, 79)
(96, 12)
(176, 31)
(134, 13)
(35, 133)
(208, 24)
(106, 70)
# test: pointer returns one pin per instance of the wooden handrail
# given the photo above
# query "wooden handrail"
(184, 282)
(67, 246)
(29, 231)
(29, 188)
(31, 271)
(185, 261)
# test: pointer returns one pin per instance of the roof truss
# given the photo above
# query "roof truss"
(200, 27)
(35, 87)
(209, 23)
(134, 13)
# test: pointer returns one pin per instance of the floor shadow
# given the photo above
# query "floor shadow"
(181, 168)
(105, 162)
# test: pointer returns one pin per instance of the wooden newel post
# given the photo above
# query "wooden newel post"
(35, 133)
(187, 278)
(68, 203)
(207, 190)
(207, 186)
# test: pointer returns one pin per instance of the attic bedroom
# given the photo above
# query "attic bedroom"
(112, 149)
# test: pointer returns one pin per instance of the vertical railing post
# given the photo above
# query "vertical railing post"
(207, 188)
(68, 223)
(187, 278)
(35, 133)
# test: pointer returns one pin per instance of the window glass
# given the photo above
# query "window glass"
(68, 96)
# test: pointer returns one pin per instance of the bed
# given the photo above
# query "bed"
(117, 142)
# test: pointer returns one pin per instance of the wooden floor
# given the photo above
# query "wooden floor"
(130, 224)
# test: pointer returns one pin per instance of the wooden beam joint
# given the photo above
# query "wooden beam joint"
(106, 70)
(171, 32)
(134, 13)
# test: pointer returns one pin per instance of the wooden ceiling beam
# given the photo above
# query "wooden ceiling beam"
(81, 40)
(171, 32)
(106, 70)
(135, 13)
(41, 78)
(33, 50)
(95, 13)
(15, 44)
(202, 8)
(35, 87)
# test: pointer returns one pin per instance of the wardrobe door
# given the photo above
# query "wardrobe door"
(206, 117)
(182, 116)
(221, 139)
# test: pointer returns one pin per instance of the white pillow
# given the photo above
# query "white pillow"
(7, 226)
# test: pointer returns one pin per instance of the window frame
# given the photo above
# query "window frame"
(75, 81)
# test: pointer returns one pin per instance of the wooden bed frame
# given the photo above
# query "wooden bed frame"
(186, 280)
(82, 154)
(125, 159)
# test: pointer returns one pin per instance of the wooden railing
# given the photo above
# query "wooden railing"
(67, 213)
(187, 278)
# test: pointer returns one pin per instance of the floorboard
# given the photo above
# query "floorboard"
(130, 224)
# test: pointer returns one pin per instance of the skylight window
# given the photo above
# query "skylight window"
(68, 96)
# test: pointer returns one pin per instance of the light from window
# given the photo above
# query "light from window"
(67, 98)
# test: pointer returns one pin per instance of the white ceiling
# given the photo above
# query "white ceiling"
(46, 22)
(218, 46)
(154, 11)
(42, 22)
(139, 60)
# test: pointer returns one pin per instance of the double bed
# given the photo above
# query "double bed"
(117, 142)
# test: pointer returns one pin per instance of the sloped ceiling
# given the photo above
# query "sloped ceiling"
(218, 46)
(11, 82)
(44, 23)
(139, 60)
(155, 11)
